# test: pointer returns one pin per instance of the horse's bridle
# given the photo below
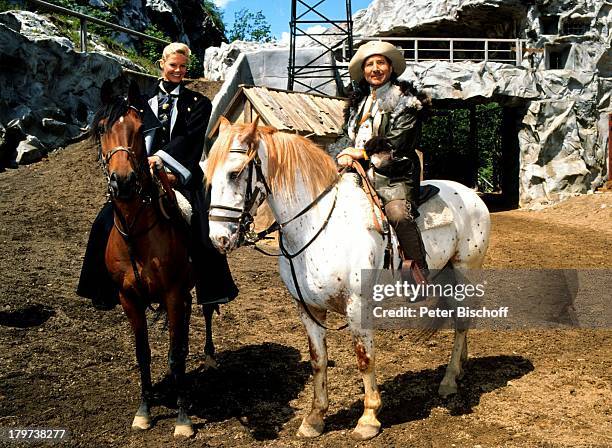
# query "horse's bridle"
(245, 221)
(137, 167)
(253, 199)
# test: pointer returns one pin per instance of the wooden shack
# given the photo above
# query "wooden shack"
(318, 117)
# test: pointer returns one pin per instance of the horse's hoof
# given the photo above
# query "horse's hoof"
(447, 389)
(183, 431)
(209, 362)
(309, 431)
(141, 423)
(365, 431)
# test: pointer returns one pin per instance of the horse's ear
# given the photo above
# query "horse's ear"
(133, 93)
(106, 92)
(224, 124)
(254, 124)
(252, 135)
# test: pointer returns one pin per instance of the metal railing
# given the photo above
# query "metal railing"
(418, 49)
(87, 18)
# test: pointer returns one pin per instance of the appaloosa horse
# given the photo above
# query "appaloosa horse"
(329, 243)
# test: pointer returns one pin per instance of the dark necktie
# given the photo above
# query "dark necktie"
(165, 105)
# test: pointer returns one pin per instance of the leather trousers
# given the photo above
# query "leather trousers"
(401, 216)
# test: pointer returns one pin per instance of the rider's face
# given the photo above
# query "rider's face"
(377, 70)
(174, 67)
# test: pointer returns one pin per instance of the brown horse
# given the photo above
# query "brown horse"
(147, 254)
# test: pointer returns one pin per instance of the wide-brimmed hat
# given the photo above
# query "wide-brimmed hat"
(370, 49)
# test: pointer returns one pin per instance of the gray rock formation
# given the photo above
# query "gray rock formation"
(30, 150)
(562, 89)
(47, 90)
(441, 18)
(184, 21)
(218, 60)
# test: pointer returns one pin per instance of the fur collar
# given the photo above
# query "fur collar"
(395, 101)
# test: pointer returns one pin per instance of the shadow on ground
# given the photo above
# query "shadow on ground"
(412, 395)
(254, 384)
(31, 316)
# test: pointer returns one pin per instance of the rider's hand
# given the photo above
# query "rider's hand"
(344, 160)
(155, 161)
(346, 157)
(172, 179)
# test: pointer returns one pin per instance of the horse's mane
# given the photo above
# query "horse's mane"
(111, 112)
(288, 154)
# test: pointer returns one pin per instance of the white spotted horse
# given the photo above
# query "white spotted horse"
(327, 240)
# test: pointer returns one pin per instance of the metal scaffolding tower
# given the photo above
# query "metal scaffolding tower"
(337, 42)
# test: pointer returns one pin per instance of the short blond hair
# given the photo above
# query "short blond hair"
(175, 47)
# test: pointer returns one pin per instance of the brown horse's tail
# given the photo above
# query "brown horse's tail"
(158, 313)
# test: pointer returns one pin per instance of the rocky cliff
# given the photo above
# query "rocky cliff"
(48, 91)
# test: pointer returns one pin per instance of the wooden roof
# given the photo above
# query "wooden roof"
(304, 113)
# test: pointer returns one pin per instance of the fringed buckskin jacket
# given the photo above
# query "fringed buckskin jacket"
(389, 136)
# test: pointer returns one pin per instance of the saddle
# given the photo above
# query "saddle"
(172, 204)
(427, 192)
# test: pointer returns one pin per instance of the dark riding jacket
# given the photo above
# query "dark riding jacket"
(397, 132)
(183, 145)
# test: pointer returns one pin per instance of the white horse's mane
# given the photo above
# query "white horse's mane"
(288, 155)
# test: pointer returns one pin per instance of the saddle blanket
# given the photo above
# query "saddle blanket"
(434, 213)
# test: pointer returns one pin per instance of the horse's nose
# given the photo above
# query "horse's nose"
(122, 187)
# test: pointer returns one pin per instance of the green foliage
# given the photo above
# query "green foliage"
(6, 5)
(450, 153)
(195, 68)
(215, 14)
(115, 6)
(250, 26)
(153, 50)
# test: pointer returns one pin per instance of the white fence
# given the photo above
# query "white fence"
(417, 49)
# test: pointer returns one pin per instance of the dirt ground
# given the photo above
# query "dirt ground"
(66, 365)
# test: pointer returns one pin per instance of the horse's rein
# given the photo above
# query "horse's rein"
(374, 199)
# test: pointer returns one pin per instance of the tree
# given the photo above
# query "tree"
(215, 14)
(250, 26)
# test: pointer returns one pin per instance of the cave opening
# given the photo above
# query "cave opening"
(476, 144)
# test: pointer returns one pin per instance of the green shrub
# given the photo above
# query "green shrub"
(449, 152)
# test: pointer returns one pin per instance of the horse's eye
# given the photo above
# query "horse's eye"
(234, 175)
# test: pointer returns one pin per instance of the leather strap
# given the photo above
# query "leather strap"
(372, 197)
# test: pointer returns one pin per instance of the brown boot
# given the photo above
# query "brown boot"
(399, 214)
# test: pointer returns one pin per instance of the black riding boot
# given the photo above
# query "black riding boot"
(95, 282)
(400, 216)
